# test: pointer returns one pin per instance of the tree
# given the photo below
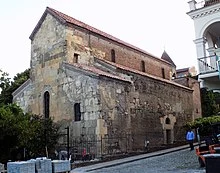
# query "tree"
(8, 86)
(4, 80)
(9, 133)
(42, 133)
(204, 124)
(208, 102)
(21, 131)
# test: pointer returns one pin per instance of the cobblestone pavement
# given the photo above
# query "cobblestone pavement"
(183, 161)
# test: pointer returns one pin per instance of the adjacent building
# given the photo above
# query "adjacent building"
(206, 17)
(186, 72)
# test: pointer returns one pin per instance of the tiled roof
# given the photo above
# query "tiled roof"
(142, 73)
(21, 88)
(96, 71)
(167, 58)
(65, 19)
(182, 70)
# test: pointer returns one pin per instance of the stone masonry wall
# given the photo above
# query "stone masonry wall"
(155, 100)
(137, 111)
(194, 85)
(89, 45)
(77, 87)
(23, 96)
(48, 50)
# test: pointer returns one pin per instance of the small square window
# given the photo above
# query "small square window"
(76, 58)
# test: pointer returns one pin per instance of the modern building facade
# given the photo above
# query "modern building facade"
(206, 17)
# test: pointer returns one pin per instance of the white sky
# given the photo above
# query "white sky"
(152, 25)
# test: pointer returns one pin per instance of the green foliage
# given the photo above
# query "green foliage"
(7, 87)
(19, 131)
(208, 102)
(4, 80)
(204, 124)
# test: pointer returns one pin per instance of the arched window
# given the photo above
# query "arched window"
(46, 104)
(167, 120)
(113, 55)
(77, 112)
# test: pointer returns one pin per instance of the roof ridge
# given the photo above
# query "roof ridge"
(68, 19)
(143, 73)
(93, 29)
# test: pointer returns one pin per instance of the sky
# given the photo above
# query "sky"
(152, 25)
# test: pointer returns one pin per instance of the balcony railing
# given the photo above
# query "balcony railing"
(211, 2)
(203, 3)
(208, 64)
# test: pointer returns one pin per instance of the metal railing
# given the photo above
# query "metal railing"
(211, 2)
(203, 3)
(208, 64)
(87, 148)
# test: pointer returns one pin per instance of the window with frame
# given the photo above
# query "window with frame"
(46, 104)
(77, 112)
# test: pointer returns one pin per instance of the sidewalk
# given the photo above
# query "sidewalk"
(128, 159)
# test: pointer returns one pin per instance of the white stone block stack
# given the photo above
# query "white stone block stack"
(2, 168)
(43, 165)
(21, 167)
(39, 165)
(61, 166)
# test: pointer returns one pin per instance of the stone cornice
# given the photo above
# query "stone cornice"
(205, 11)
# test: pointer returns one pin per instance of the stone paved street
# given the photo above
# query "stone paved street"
(184, 161)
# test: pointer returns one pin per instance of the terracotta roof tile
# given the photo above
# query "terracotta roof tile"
(143, 73)
(97, 71)
(90, 28)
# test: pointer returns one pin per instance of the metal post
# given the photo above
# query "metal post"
(68, 146)
(198, 136)
(101, 147)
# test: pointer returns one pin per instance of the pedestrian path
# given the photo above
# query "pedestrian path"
(127, 160)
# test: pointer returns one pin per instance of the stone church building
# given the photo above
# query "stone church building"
(100, 86)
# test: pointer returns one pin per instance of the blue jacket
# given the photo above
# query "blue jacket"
(190, 135)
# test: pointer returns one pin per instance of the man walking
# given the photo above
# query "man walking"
(190, 138)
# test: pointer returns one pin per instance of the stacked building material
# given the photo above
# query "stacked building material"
(61, 166)
(21, 167)
(2, 168)
(43, 165)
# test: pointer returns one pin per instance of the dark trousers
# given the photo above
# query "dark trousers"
(191, 144)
